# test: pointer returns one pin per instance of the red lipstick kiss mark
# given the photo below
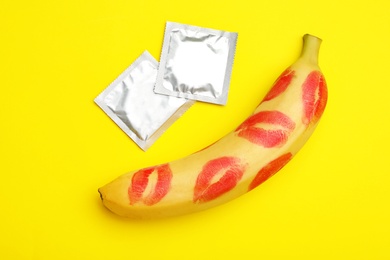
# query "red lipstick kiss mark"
(274, 128)
(280, 84)
(140, 182)
(207, 189)
(314, 96)
(269, 170)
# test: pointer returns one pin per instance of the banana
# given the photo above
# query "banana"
(237, 163)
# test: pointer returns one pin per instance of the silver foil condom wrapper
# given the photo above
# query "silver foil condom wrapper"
(130, 101)
(196, 63)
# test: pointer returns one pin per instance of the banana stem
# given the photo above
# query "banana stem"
(311, 48)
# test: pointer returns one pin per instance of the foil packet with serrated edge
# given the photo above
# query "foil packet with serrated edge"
(132, 104)
(196, 63)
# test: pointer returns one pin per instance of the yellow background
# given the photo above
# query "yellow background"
(57, 147)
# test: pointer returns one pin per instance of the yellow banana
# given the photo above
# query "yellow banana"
(239, 161)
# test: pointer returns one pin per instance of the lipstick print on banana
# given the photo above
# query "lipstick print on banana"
(270, 169)
(267, 128)
(206, 189)
(280, 84)
(238, 162)
(314, 96)
(142, 179)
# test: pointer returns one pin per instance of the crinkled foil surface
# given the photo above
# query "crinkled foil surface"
(131, 102)
(196, 63)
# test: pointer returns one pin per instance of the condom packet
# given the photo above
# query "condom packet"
(131, 103)
(196, 63)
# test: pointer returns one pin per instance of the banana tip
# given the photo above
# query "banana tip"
(101, 195)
